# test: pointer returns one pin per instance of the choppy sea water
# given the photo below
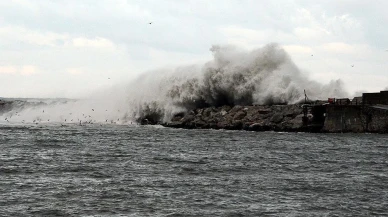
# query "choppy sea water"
(113, 170)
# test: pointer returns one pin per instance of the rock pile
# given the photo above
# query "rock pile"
(254, 118)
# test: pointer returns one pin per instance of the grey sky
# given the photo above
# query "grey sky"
(68, 48)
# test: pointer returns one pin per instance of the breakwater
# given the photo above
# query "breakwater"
(326, 118)
(254, 118)
(287, 118)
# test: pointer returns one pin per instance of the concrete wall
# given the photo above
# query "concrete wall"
(378, 121)
(357, 119)
(344, 118)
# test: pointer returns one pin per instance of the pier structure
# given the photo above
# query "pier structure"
(366, 113)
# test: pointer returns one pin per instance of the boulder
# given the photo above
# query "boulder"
(239, 115)
(187, 118)
(236, 125)
(226, 108)
(277, 118)
(296, 122)
(223, 124)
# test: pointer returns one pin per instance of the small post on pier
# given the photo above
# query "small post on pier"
(305, 110)
(305, 96)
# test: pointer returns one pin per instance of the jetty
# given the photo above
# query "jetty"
(366, 113)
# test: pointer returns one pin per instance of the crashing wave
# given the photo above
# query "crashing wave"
(262, 76)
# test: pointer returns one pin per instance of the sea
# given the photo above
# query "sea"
(132, 170)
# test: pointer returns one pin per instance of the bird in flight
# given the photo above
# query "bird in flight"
(150, 23)
(352, 65)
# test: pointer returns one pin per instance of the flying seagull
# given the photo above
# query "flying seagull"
(150, 23)
(352, 65)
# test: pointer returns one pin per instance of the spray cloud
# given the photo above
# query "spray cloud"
(262, 76)
(234, 77)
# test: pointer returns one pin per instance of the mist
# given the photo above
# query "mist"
(234, 76)
(262, 76)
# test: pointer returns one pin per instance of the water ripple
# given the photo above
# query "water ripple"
(146, 171)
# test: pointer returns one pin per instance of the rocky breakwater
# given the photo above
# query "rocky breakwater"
(286, 118)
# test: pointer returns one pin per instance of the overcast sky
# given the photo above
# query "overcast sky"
(68, 48)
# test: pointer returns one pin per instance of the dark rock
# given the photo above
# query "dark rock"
(178, 117)
(200, 124)
(256, 126)
(239, 115)
(226, 108)
(235, 109)
(223, 124)
(277, 118)
(188, 118)
(207, 112)
(254, 118)
(264, 111)
(174, 124)
(223, 112)
(236, 125)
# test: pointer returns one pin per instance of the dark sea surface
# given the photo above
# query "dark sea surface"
(113, 170)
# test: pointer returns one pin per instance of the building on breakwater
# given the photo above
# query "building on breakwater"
(366, 113)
